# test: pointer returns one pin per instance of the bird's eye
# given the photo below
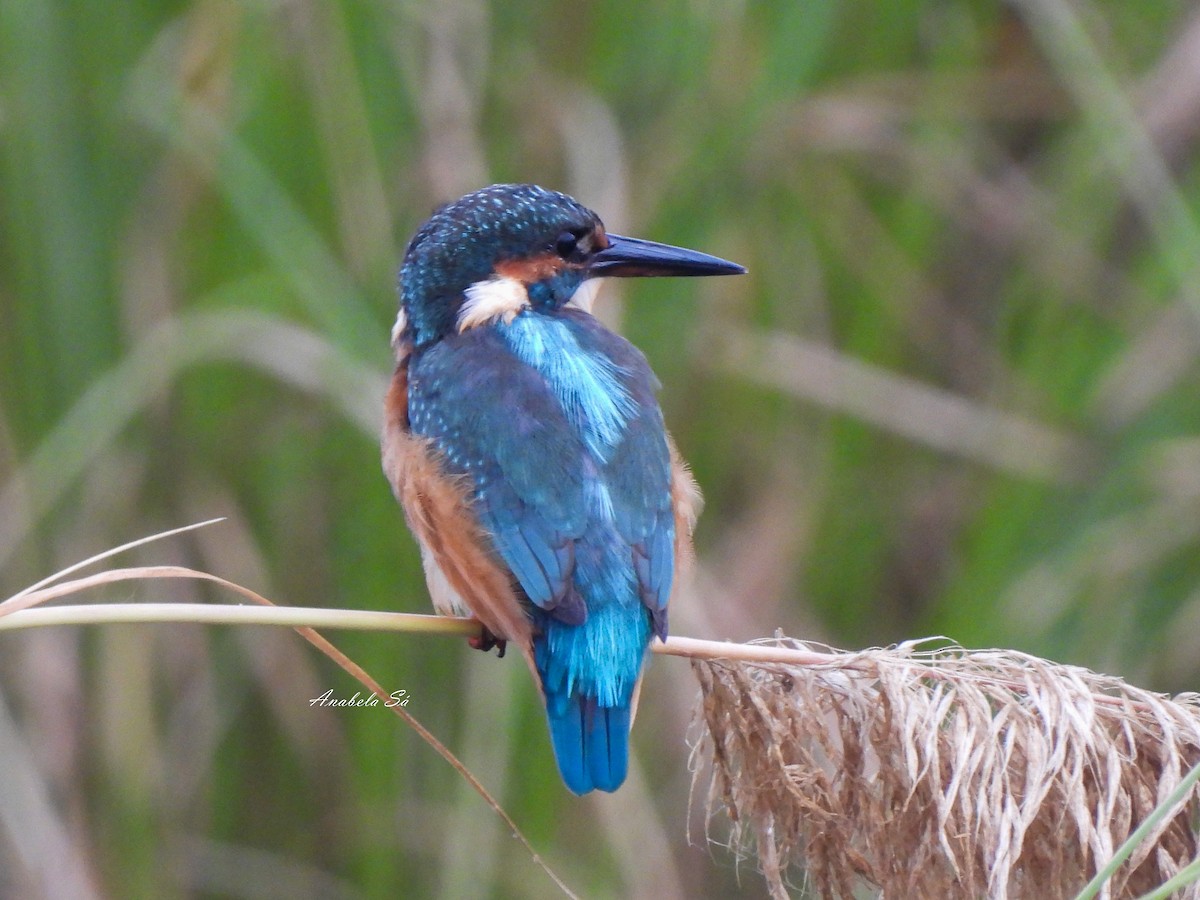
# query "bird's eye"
(566, 244)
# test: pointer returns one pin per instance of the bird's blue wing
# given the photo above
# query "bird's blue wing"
(638, 475)
(495, 422)
(638, 478)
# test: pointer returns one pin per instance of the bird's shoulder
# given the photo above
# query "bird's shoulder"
(494, 420)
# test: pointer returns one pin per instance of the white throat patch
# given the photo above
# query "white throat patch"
(493, 298)
(398, 328)
(585, 295)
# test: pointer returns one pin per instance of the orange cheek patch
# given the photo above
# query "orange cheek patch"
(532, 269)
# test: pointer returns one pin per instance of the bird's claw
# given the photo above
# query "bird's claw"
(485, 641)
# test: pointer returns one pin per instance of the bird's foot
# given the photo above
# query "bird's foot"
(486, 641)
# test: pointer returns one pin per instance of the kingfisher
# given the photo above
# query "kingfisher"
(525, 442)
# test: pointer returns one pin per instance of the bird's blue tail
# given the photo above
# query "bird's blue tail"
(591, 743)
(589, 675)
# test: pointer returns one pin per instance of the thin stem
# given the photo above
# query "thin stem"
(360, 674)
(697, 648)
(14, 613)
(75, 567)
(211, 614)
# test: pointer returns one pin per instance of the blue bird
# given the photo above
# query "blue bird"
(525, 442)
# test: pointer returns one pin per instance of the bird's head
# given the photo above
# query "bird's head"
(508, 247)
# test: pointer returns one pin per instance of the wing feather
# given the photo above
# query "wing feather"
(499, 429)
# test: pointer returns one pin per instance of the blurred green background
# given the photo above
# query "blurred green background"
(956, 395)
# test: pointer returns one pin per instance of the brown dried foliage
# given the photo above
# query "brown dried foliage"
(920, 772)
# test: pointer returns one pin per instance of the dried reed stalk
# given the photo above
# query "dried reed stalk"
(922, 771)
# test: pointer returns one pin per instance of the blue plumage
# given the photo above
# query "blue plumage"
(565, 518)
(552, 424)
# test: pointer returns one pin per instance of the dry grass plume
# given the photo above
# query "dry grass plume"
(921, 771)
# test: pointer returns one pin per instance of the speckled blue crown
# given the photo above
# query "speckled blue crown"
(462, 241)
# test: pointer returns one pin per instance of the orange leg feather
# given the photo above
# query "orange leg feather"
(460, 563)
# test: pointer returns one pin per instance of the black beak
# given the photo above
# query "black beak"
(626, 257)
